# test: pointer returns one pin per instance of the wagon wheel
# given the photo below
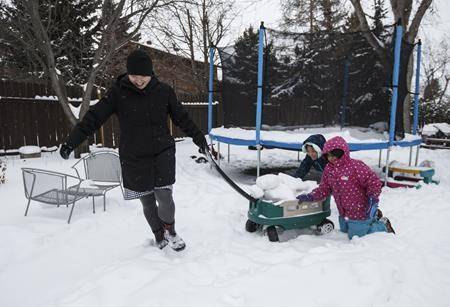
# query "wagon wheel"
(326, 226)
(272, 234)
(251, 226)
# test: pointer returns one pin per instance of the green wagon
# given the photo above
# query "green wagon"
(271, 217)
(288, 215)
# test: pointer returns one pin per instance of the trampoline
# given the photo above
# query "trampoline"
(293, 140)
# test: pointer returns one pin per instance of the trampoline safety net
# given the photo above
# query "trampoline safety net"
(319, 78)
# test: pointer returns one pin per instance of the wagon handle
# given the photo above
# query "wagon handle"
(228, 179)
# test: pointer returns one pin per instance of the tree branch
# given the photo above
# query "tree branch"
(414, 28)
(370, 37)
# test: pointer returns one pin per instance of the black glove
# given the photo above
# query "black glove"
(65, 151)
(201, 142)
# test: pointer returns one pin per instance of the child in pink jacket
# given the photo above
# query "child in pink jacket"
(355, 188)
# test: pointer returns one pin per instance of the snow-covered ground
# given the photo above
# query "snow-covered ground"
(105, 259)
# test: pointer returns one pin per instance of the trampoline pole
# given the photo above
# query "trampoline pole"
(211, 144)
(379, 158)
(259, 93)
(259, 160)
(410, 155)
(210, 94)
(417, 155)
(228, 154)
(386, 169)
(416, 98)
(218, 153)
(416, 101)
(416, 91)
(210, 87)
(398, 46)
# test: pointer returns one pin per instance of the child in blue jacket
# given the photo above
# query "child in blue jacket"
(313, 147)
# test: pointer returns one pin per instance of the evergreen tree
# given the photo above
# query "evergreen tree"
(300, 15)
(11, 55)
(432, 108)
(380, 13)
(246, 58)
(367, 91)
(240, 77)
(351, 23)
(71, 30)
(332, 14)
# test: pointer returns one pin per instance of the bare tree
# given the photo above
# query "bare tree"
(436, 68)
(190, 29)
(402, 10)
(32, 33)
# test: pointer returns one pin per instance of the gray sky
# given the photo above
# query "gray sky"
(436, 26)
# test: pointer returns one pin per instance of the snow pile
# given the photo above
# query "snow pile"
(379, 126)
(280, 187)
(29, 150)
(268, 182)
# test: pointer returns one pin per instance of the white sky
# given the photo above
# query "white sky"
(436, 26)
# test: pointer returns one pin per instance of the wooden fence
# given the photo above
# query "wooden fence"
(31, 89)
(29, 121)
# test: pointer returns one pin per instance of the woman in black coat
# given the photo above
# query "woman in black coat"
(147, 150)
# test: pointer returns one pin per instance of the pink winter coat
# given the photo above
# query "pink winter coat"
(350, 181)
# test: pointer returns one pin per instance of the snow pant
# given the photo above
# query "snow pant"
(163, 212)
(360, 228)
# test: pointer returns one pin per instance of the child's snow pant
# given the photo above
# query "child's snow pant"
(360, 228)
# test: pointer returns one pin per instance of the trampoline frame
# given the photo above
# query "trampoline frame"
(259, 144)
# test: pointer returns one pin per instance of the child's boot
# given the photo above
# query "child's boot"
(379, 214)
(387, 223)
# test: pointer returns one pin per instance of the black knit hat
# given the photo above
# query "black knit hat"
(139, 63)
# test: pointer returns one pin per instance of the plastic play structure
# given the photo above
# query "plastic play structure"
(402, 175)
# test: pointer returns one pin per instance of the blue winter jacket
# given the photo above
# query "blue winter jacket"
(316, 141)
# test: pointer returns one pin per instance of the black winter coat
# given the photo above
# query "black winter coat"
(147, 150)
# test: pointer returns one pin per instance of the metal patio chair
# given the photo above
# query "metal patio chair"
(51, 188)
(102, 169)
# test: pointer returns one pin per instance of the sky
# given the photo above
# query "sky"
(435, 27)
